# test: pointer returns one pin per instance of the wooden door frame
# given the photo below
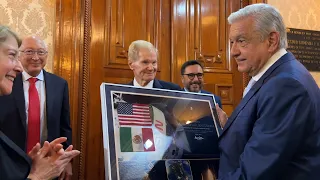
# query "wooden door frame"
(71, 62)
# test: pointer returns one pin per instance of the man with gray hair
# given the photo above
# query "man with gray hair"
(143, 61)
(38, 107)
(274, 133)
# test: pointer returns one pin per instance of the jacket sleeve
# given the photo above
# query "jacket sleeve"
(65, 128)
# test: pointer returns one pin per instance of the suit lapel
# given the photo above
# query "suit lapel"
(156, 84)
(14, 148)
(255, 88)
(18, 94)
(242, 104)
(49, 88)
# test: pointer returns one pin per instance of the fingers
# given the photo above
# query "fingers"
(59, 140)
(69, 148)
(44, 150)
(32, 154)
(57, 149)
(63, 175)
(56, 145)
(68, 155)
(67, 177)
(218, 107)
(222, 116)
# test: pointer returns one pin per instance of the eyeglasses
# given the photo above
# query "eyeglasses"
(192, 75)
(30, 52)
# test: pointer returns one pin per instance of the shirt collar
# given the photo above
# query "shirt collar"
(273, 59)
(136, 84)
(27, 76)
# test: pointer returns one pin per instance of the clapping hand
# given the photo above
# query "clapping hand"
(50, 160)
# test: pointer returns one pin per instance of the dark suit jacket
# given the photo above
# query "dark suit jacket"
(217, 98)
(13, 116)
(162, 85)
(274, 133)
(14, 163)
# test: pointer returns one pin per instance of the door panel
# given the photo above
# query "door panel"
(92, 39)
(200, 32)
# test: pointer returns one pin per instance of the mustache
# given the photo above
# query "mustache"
(195, 82)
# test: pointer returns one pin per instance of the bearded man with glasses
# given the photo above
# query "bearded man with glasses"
(192, 78)
(38, 107)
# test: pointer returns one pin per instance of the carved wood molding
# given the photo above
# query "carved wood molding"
(116, 34)
(225, 91)
(85, 86)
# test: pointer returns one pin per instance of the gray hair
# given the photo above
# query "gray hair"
(135, 46)
(267, 19)
(5, 32)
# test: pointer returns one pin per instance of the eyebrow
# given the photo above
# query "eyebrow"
(16, 51)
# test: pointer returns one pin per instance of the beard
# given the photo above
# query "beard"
(191, 86)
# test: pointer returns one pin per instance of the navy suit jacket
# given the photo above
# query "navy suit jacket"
(13, 116)
(217, 98)
(274, 133)
(163, 85)
(14, 163)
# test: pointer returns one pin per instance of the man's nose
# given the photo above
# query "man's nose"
(234, 50)
(150, 66)
(35, 55)
(195, 78)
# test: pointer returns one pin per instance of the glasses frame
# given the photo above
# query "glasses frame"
(191, 76)
(34, 52)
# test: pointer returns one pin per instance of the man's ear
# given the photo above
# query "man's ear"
(181, 78)
(274, 40)
(130, 64)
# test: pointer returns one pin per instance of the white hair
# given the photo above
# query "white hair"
(135, 46)
(267, 19)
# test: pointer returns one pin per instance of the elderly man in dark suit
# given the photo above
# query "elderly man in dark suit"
(38, 107)
(143, 61)
(274, 133)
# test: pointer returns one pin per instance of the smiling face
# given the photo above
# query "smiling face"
(247, 48)
(195, 83)
(33, 62)
(9, 64)
(145, 67)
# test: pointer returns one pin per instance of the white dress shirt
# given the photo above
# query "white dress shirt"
(40, 85)
(136, 84)
(273, 59)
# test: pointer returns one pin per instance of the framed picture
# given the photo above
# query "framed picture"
(158, 134)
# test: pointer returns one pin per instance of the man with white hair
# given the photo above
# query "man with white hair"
(143, 61)
(274, 133)
(38, 107)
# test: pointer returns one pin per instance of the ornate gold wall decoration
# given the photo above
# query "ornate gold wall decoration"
(31, 17)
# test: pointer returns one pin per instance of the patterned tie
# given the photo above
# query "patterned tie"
(247, 89)
(33, 115)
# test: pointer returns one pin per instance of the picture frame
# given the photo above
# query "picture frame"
(158, 134)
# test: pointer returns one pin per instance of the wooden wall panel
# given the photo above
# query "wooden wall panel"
(68, 58)
(200, 32)
(115, 24)
(92, 38)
